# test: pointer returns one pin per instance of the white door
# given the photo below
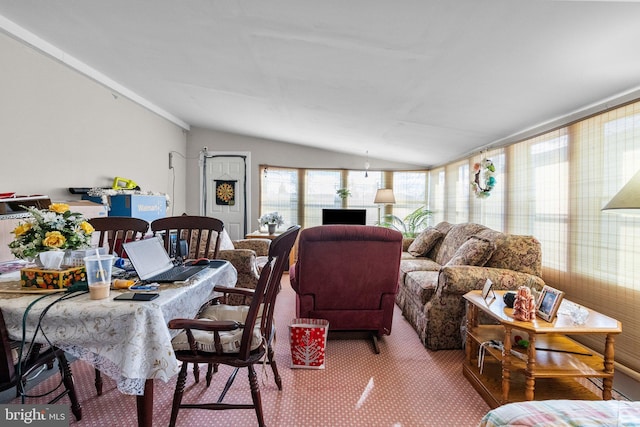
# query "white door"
(225, 194)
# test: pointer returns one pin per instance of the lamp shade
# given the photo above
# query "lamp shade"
(628, 198)
(384, 195)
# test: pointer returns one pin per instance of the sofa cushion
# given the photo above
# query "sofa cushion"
(456, 237)
(425, 241)
(412, 263)
(518, 253)
(475, 251)
(444, 228)
(230, 340)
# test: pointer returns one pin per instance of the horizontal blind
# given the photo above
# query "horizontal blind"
(279, 193)
(490, 211)
(604, 250)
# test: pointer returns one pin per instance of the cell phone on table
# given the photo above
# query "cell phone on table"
(144, 287)
(136, 296)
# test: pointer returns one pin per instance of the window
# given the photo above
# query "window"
(410, 191)
(553, 187)
(281, 189)
(363, 192)
(437, 194)
(490, 211)
(279, 193)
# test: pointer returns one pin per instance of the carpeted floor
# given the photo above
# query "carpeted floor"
(405, 385)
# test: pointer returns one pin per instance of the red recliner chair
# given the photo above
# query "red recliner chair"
(348, 274)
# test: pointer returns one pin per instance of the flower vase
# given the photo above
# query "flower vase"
(272, 228)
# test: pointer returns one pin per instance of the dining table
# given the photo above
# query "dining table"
(129, 341)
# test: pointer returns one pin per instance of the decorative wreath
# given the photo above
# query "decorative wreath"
(483, 172)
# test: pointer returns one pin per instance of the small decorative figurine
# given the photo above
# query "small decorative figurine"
(524, 306)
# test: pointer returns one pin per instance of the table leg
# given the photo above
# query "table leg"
(145, 405)
(607, 383)
(471, 323)
(506, 364)
(530, 380)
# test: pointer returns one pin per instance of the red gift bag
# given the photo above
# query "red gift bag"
(308, 339)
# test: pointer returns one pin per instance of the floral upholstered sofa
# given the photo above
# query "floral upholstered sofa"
(446, 261)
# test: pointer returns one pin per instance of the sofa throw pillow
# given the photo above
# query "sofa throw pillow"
(475, 251)
(424, 242)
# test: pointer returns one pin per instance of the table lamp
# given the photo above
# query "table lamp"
(627, 200)
(384, 196)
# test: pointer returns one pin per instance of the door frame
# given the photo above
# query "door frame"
(246, 185)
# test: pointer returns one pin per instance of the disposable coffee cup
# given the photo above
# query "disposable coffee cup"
(98, 269)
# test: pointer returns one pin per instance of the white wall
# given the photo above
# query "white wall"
(60, 129)
(268, 152)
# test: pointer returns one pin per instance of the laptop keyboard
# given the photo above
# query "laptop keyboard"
(177, 274)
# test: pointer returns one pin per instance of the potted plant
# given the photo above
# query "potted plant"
(271, 220)
(343, 193)
(411, 225)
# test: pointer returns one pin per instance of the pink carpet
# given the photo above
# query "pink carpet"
(404, 385)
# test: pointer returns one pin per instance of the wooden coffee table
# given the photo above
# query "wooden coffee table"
(550, 366)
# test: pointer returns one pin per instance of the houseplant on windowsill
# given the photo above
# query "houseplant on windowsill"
(272, 220)
(343, 193)
(52, 229)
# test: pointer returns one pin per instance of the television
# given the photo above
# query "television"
(344, 216)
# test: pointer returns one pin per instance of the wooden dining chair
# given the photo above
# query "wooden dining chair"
(116, 230)
(202, 235)
(16, 368)
(238, 336)
(197, 231)
(113, 232)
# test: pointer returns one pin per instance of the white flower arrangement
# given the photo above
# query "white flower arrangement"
(271, 218)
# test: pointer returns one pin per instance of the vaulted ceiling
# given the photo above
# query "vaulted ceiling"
(421, 81)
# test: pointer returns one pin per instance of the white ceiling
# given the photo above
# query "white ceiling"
(422, 82)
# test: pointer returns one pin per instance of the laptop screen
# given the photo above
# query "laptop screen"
(148, 257)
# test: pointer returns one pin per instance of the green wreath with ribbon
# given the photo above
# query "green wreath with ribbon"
(483, 181)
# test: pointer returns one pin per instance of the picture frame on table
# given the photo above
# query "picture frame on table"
(487, 290)
(548, 303)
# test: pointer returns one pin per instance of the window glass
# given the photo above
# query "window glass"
(279, 193)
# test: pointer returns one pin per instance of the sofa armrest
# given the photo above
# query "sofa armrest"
(461, 279)
(406, 242)
(259, 246)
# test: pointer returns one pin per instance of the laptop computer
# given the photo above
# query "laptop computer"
(152, 262)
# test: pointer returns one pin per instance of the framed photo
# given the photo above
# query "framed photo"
(487, 290)
(548, 303)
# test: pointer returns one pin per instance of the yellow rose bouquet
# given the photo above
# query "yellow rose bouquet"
(55, 228)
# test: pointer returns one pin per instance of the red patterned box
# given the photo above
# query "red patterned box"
(308, 339)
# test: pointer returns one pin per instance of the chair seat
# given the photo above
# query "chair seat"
(230, 340)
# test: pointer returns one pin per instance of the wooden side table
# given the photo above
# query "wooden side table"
(550, 365)
(262, 235)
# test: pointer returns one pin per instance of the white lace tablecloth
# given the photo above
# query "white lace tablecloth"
(128, 341)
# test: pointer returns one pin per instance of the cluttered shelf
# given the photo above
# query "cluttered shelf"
(11, 205)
